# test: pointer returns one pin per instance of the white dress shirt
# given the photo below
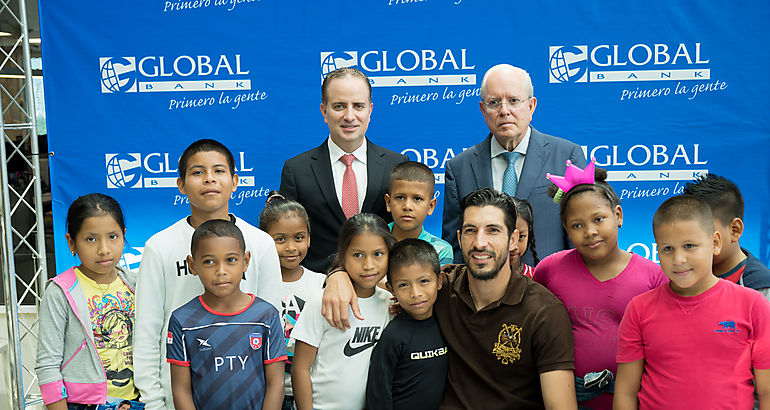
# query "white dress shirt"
(359, 168)
(499, 164)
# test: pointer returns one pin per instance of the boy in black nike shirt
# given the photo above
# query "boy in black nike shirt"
(408, 367)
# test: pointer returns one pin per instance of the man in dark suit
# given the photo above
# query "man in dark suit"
(514, 158)
(345, 175)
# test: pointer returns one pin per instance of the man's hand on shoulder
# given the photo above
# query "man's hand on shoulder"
(338, 295)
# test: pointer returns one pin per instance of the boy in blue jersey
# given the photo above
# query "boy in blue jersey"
(410, 200)
(226, 347)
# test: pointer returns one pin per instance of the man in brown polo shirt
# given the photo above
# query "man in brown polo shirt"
(510, 340)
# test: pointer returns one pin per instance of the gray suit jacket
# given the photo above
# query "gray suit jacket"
(472, 170)
(307, 179)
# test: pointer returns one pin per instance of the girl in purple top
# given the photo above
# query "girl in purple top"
(596, 280)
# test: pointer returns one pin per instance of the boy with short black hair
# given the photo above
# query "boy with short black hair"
(699, 340)
(226, 347)
(207, 176)
(410, 200)
(409, 364)
(733, 263)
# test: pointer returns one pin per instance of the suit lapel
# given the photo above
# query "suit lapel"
(374, 174)
(322, 171)
(481, 164)
(534, 161)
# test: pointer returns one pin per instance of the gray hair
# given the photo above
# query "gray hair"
(513, 70)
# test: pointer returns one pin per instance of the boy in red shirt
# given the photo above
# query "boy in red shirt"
(698, 342)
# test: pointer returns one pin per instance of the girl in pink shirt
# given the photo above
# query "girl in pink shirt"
(596, 280)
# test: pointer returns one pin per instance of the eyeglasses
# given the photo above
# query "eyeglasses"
(496, 104)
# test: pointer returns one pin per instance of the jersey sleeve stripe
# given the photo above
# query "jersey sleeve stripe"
(178, 362)
(277, 359)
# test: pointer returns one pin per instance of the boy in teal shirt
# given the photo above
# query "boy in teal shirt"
(410, 200)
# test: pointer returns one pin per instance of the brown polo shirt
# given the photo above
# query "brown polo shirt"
(496, 355)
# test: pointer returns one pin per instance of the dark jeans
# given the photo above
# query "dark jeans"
(584, 394)
(288, 403)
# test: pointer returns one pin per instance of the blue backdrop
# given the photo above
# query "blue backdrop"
(657, 91)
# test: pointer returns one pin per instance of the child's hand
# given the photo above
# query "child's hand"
(395, 308)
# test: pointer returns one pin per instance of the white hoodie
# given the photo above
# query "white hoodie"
(164, 284)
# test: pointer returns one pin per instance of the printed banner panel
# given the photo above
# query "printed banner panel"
(658, 93)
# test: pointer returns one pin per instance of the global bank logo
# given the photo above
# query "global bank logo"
(124, 170)
(331, 61)
(626, 63)
(568, 64)
(180, 73)
(405, 67)
(118, 74)
(158, 170)
(433, 158)
(649, 162)
(132, 258)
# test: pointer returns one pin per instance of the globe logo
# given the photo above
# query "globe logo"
(123, 170)
(118, 74)
(131, 258)
(331, 61)
(568, 64)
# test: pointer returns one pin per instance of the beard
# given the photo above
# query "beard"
(488, 273)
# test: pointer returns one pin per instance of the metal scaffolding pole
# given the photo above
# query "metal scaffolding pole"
(21, 243)
(42, 266)
(8, 271)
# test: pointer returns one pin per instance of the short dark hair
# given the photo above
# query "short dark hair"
(600, 186)
(490, 197)
(684, 208)
(721, 194)
(216, 228)
(413, 171)
(89, 205)
(277, 207)
(341, 73)
(412, 251)
(205, 145)
(356, 225)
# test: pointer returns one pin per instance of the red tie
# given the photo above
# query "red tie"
(349, 187)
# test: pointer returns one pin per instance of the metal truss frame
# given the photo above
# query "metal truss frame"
(18, 126)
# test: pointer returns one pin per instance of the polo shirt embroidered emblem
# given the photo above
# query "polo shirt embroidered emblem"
(507, 348)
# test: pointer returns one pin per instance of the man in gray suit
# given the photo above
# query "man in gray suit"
(514, 158)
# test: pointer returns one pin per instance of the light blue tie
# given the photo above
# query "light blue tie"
(510, 181)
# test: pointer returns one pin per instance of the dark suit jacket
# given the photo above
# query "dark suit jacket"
(307, 179)
(472, 170)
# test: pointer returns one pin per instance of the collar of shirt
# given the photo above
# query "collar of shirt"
(497, 149)
(335, 152)
(423, 233)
